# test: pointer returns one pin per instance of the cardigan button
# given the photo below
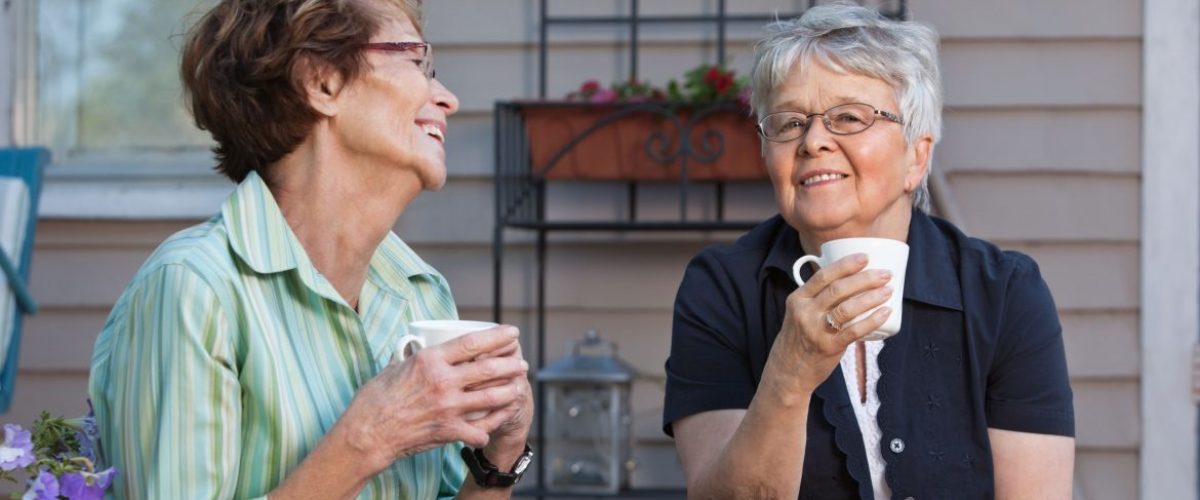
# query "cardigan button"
(897, 445)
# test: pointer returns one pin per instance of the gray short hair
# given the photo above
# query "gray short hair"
(853, 39)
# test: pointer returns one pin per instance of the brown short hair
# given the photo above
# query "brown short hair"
(243, 63)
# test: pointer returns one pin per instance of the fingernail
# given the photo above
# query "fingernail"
(860, 258)
(524, 365)
(885, 310)
(884, 274)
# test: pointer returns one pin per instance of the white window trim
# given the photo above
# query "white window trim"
(1170, 257)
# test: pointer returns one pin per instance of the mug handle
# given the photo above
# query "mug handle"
(800, 263)
(405, 343)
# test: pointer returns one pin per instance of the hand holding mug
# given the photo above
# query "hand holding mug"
(882, 254)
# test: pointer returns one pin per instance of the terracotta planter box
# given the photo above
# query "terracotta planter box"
(641, 142)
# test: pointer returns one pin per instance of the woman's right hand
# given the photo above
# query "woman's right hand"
(422, 403)
(808, 348)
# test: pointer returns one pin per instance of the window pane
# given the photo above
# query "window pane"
(108, 75)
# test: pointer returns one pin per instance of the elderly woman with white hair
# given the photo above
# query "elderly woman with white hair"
(771, 390)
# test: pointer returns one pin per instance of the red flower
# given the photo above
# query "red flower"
(589, 87)
(723, 84)
(712, 75)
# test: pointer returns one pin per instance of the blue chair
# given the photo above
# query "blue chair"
(20, 187)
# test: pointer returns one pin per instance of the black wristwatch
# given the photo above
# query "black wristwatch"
(486, 473)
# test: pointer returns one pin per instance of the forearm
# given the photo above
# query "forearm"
(504, 455)
(334, 457)
(765, 455)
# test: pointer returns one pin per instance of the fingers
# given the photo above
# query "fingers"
(492, 398)
(475, 344)
(847, 310)
(481, 372)
(825, 276)
(864, 327)
(849, 287)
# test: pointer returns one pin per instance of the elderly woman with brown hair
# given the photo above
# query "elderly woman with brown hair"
(771, 390)
(253, 354)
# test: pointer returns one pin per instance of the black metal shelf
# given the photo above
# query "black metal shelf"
(521, 198)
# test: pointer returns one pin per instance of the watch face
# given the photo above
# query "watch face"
(522, 464)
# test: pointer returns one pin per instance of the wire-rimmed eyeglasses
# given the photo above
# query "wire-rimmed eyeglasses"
(843, 119)
(422, 48)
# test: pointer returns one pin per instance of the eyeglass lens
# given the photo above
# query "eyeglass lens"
(841, 120)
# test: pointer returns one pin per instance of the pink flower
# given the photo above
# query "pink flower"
(604, 96)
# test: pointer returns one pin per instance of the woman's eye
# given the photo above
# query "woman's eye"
(847, 118)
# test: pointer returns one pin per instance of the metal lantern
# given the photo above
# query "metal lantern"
(589, 439)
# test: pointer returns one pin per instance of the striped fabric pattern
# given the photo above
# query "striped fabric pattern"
(229, 356)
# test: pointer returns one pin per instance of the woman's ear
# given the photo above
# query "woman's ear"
(918, 165)
(322, 85)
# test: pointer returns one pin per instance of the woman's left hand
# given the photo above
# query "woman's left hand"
(508, 428)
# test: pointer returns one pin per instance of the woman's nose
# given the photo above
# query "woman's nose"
(817, 138)
(443, 97)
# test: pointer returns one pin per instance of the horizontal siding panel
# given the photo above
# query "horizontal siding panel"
(83, 277)
(62, 394)
(1101, 344)
(110, 234)
(1041, 73)
(61, 339)
(1107, 415)
(480, 76)
(1088, 276)
(446, 25)
(470, 145)
(1030, 18)
(657, 467)
(1065, 140)
(1048, 207)
(1106, 475)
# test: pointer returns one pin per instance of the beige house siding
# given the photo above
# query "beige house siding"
(1041, 147)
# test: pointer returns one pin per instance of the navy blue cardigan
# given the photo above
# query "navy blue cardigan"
(980, 346)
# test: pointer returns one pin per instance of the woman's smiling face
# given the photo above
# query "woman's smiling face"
(392, 114)
(842, 186)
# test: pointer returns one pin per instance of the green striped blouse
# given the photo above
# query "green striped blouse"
(229, 356)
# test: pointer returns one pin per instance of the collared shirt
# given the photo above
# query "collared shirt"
(980, 346)
(229, 356)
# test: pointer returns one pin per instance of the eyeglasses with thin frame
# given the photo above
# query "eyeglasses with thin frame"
(843, 119)
(424, 49)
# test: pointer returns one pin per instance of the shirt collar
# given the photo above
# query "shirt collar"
(932, 275)
(260, 235)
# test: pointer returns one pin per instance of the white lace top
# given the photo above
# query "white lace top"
(866, 413)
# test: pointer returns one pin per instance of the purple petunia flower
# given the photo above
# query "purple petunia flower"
(85, 485)
(17, 449)
(43, 487)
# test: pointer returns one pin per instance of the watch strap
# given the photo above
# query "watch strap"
(487, 475)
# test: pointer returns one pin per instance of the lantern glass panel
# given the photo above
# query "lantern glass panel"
(582, 429)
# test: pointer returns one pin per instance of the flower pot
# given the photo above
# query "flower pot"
(641, 142)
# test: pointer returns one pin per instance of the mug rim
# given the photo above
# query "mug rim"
(452, 323)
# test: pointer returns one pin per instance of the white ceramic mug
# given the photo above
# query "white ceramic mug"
(428, 333)
(882, 253)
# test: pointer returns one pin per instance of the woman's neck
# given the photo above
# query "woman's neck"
(892, 225)
(340, 208)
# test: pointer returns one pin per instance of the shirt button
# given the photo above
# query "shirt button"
(909, 498)
(897, 445)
